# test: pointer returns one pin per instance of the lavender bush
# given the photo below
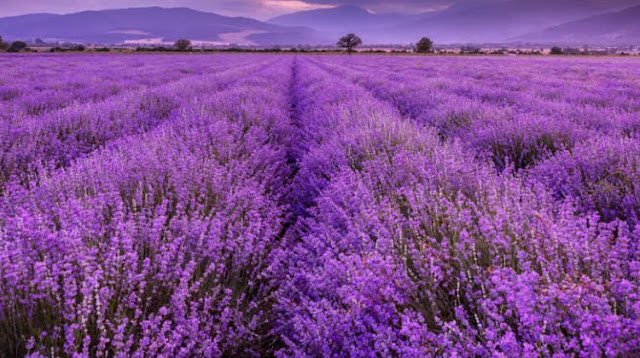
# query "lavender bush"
(312, 206)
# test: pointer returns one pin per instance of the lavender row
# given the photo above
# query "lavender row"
(523, 135)
(34, 85)
(408, 247)
(30, 146)
(500, 132)
(581, 83)
(505, 115)
(159, 244)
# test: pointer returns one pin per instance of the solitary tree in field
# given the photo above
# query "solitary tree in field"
(350, 42)
(555, 50)
(425, 45)
(182, 45)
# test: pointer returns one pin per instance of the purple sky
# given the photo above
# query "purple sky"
(261, 9)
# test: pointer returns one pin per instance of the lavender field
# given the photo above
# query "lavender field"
(319, 206)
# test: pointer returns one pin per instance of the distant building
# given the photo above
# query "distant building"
(571, 51)
(469, 49)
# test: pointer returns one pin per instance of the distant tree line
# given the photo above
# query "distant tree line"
(15, 46)
(20, 46)
(74, 48)
(349, 42)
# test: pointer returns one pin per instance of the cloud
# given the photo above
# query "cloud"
(261, 9)
(386, 5)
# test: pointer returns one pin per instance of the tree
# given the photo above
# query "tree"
(17, 46)
(3, 45)
(182, 45)
(350, 42)
(425, 45)
(555, 50)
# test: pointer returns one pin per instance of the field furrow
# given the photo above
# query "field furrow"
(40, 89)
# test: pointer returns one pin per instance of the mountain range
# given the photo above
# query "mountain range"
(616, 27)
(495, 21)
(485, 21)
(151, 25)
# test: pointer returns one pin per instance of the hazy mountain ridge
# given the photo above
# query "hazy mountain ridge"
(496, 22)
(485, 21)
(490, 21)
(620, 27)
(114, 26)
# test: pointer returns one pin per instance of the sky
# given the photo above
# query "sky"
(259, 9)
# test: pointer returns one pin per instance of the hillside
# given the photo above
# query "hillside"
(493, 22)
(489, 21)
(620, 27)
(148, 25)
